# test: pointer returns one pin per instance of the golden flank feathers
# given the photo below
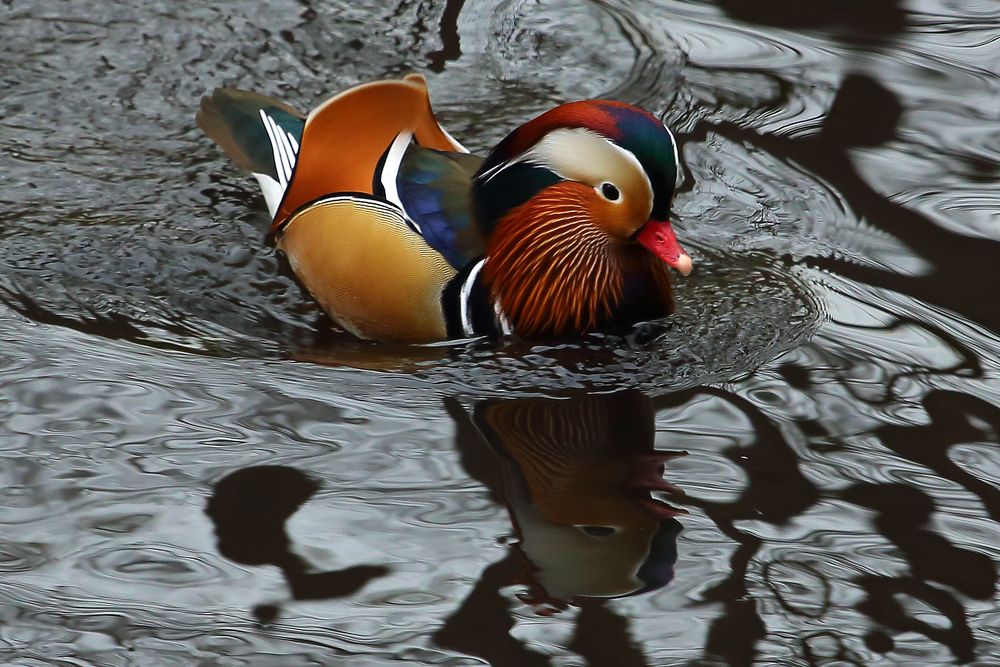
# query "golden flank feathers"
(364, 265)
(571, 462)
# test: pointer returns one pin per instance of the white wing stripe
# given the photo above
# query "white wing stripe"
(283, 150)
(505, 327)
(289, 155)
(677, 157)
(278, 169)
(272, 191)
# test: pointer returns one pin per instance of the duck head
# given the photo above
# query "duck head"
(576, 206)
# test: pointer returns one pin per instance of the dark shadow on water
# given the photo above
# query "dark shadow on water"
(963, 271)
(249, 509)
(481, 625)
(883, 605)
(602, 637)
(583, 485)
(862, 22)
(776, 492)
(93, 320)
(952, 416)
(903, 515)
(451, 46)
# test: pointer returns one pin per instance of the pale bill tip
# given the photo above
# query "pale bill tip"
(684, 265)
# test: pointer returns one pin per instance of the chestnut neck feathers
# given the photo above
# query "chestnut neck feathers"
(550, 269)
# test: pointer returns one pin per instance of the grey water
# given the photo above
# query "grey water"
(195, 469)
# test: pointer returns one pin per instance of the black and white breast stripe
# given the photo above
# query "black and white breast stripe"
(389, 172)
(468, 309)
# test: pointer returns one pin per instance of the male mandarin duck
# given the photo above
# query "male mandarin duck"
(401, 235)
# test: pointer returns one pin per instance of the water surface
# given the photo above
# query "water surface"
(195, 470)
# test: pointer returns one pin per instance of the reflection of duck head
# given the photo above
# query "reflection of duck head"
(577, 477)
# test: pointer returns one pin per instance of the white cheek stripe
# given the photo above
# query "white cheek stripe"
(487, 175)
(463, 299)
(556, 151)
(630, 156)
(534, 155)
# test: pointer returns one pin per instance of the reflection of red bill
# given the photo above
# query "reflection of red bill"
(659, 238)
(646, 476)
(658, 508)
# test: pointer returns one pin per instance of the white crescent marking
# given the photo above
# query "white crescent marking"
(463, 299)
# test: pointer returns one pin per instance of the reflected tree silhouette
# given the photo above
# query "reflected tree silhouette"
(865, 113)
(249, 509)
(481, 625)
(951, 422)
(853, 21)
(560, 463)
(602, 637)
(776, 491)
(903, 516)
(451, 45)
(883, 605)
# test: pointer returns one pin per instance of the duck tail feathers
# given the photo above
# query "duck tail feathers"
(259, 133)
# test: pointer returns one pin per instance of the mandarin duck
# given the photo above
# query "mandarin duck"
(401, 235)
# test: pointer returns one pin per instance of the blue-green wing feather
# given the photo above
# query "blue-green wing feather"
(435, 188)
(232, 118)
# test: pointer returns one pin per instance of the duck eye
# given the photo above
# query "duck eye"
(610, 192)
(598, 531)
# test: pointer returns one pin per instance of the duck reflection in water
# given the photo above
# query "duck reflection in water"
(577, 474)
